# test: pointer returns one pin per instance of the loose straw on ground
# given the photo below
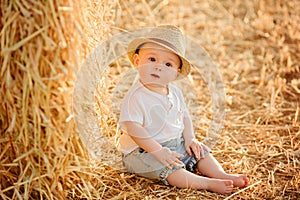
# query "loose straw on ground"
(242, 190)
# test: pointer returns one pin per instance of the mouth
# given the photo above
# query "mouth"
(155, 75)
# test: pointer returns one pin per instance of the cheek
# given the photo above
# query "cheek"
(144, 69)
(168, 75)
(171, 73)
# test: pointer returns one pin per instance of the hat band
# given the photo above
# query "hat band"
(165, 43)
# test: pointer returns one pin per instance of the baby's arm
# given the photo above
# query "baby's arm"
(141, 137)
(191, 143)
(188, 131)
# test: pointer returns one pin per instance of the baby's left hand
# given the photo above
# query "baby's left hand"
(197, 147)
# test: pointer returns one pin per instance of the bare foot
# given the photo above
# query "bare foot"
(220, 186)
(240, 180)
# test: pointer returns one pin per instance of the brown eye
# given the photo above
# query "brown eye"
(152, 59)
(168, 64)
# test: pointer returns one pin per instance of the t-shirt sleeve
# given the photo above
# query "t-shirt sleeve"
(182, 99)
(131, 110)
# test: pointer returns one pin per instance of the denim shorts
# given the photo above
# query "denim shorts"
(146, 165)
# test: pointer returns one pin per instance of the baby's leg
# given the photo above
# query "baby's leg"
(210, 167)
(184, 179)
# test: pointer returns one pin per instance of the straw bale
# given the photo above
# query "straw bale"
(256, 45)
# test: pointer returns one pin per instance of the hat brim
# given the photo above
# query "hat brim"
(133, 45)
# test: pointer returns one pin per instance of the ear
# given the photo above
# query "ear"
(136, 60)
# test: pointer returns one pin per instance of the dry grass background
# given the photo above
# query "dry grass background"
(43, 44)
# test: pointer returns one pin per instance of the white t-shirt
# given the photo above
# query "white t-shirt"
(161, 115)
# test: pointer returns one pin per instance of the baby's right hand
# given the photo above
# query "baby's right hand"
(167, 157)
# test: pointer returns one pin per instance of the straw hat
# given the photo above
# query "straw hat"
(167, 36)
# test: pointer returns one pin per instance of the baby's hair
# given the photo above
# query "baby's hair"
(140, 46)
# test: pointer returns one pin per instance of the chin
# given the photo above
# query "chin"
(152, 81)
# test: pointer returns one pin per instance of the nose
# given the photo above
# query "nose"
(158, 67)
